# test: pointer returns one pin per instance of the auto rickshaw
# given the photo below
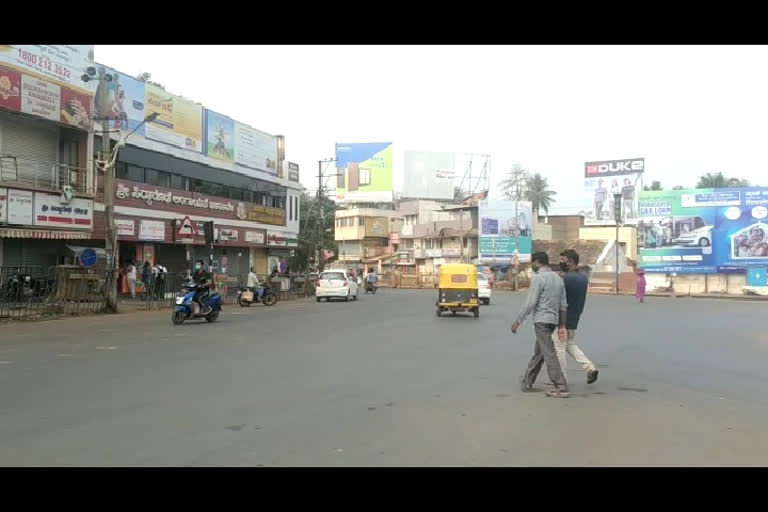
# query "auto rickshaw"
(457, 289)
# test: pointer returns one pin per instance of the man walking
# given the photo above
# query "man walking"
(576, 285)
(546, 300)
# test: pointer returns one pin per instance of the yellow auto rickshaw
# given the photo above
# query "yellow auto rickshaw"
(457, 289)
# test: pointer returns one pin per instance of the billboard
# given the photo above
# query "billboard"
(364, 172)
(505, 229)
(377, 227)
(62, 65)
(180, 122)
(429, 175)
(255, 149)
(604, 179)
(703, 230)
(219, 136)
(120, 100)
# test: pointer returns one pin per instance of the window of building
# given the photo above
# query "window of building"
(236, 193)
(196, 186)
(135, 173)
(361, 221)
(121, 170)
(178, 182)
(340, 178)
(365, 176)
(157, 178)
(213, 189)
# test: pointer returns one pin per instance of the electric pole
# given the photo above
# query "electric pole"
(321, 206)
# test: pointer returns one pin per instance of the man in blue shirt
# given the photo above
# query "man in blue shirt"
(576, 286)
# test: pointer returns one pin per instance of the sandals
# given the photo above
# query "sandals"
(558, 394)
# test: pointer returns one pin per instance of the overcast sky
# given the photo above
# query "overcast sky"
(687, 110)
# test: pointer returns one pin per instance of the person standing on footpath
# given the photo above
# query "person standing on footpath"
(576, 286)
(546, 300)
(131, 276)
(640, 286)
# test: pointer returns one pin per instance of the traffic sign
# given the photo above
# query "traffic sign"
(187, 227)
(88, 258)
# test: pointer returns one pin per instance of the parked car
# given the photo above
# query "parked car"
(483, 289)
(336, 284)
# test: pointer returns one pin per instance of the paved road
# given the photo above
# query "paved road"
(383, 382)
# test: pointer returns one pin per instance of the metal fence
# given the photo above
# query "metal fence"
(28, 293)
(47, 175)
(33, 292)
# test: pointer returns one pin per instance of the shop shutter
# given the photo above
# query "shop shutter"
(172, 257)
(34, 144)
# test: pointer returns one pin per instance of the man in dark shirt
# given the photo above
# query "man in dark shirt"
(203, 279)
(576, 285)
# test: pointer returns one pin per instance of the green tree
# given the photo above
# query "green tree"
(655, 185)
(309, 235)
(678, 187)
(537, 191)
(514, 185)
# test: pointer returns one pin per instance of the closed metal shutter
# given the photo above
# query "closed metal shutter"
(172, 257)
(34, 255)
(35, 147)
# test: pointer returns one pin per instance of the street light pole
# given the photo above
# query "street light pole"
(617, 219)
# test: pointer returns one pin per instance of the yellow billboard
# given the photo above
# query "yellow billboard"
(180, 122)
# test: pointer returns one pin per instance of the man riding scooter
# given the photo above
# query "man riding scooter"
(204, 281)
(254, 285)
(370, 280)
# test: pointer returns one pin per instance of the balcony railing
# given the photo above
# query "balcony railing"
(43, 175)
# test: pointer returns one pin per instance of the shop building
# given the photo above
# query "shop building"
(47, 185)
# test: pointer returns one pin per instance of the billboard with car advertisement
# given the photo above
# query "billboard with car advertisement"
(180, 122)
(602, 181)
(703, 230)
(364, 172)
(505, 230)
(120, 100)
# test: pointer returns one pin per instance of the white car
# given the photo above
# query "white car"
(483, 289)
(336, 284)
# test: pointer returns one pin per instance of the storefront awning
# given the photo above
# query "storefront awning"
(45, 234)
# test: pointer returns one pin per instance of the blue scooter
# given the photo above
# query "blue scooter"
(188, 309)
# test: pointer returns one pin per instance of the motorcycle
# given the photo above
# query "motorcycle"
(246, 297)
(188, 309)
(370, 287)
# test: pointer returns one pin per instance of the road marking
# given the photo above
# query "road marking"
(106, 348)
(64, 355)
(6, 362)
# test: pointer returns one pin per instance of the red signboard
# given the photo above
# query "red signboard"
(10, 89)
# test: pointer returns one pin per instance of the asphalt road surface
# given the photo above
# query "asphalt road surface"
(384, 382)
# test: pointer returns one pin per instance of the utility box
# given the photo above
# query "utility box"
(757, 276)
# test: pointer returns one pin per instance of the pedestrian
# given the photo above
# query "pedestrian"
(146, 277)
(576, 285)
(546, 300)
(160, 281)
(131, 275)
(640, 285)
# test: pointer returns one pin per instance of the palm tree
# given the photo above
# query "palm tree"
(738, 183)
(538, 193)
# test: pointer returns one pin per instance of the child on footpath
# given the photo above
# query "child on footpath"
(640, 286)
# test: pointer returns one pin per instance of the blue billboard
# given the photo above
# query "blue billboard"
(703, 230)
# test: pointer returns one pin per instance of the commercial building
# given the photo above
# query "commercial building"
(188, 166)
